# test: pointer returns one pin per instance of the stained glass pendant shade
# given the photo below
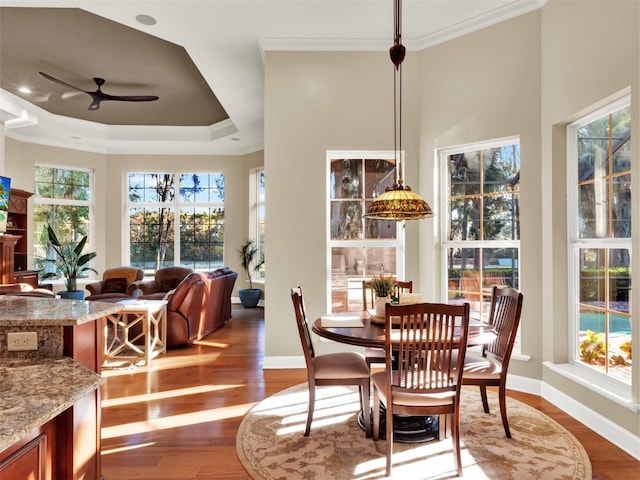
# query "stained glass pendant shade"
(398, 202)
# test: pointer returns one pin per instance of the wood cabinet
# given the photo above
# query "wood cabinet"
(18, 226)
(32, 457)
(7, 248)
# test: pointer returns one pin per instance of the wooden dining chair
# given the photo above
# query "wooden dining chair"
(422, 339)
(342, 368)
(376, 355)
(489, 369)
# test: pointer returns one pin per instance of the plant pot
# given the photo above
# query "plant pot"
(249, 297)
(379, 305)
(76, 295)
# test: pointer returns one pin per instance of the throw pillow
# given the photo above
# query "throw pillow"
(115, 285)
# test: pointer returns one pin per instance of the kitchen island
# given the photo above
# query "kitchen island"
(50, 397)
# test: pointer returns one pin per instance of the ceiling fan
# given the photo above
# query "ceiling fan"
(98, 96)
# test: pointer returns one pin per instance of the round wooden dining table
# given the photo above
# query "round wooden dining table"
(339, 327)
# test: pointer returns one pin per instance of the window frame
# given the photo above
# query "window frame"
(90, 204)
(445, 217)
(575, 244)
(398, 243)
(175, 207)
(257, 217)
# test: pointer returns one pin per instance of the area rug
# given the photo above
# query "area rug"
(271, 445)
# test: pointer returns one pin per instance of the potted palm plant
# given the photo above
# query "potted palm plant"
(249, 297)
(68, 262)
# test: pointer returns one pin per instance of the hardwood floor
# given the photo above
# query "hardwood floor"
(177, 418)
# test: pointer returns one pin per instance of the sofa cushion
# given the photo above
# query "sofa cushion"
(115, 285)
(166, 284)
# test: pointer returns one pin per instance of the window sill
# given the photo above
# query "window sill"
(520, 357)
(600, 384)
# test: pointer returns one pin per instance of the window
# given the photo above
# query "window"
(256, 215)
(176, 219)
(599, 175)
(359, 248)
(482, 221)
(63, 199)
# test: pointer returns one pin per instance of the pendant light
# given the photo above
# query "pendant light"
(398, 202)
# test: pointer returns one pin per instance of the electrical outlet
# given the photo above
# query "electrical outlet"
(22, 341)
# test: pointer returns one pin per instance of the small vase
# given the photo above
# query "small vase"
(379, 305)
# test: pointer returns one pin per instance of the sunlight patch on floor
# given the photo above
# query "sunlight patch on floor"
(127, 448)
(176, 421)
(179, 392)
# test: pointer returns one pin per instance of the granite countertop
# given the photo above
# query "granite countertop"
(34, 392)
(37, 311)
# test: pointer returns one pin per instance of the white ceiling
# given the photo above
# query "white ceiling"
(226, 40)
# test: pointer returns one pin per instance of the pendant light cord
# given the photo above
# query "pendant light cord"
(397, 90)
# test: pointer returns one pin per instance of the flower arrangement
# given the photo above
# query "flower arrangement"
(382, 286)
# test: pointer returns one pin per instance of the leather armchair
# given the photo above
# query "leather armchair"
(116, 282)
(166, 279)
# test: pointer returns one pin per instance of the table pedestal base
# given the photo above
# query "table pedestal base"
(407, 429)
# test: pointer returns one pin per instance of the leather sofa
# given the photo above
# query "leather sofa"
(199, 305)
(116, 282)
(26, 290)
(165, 280)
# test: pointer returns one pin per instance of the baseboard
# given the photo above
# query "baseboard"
(277, 363)
(615, 434)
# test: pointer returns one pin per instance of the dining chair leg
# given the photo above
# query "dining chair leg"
(502, 395)
(444, 430)
(376, 415)
(365, 402)
(483, 395)
(389, 438)
(455, 436)
(312, 402)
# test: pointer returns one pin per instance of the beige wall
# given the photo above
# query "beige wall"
(480, 87)
(315, 102)
(110, 190)
(590, 54)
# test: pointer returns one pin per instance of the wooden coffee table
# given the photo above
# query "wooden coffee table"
(138, 330)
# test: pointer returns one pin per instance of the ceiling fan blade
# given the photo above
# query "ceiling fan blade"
(125, 98)
(60, 82)
(95, 105)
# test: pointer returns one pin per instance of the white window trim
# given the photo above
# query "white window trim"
(594, 380)
(82, 203)
(398, 243)
(174, 206)
(254, 208)
(441, 155)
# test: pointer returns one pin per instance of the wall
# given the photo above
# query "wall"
(479, 87)
(582, 70)
(110, 190)
(315, 102)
